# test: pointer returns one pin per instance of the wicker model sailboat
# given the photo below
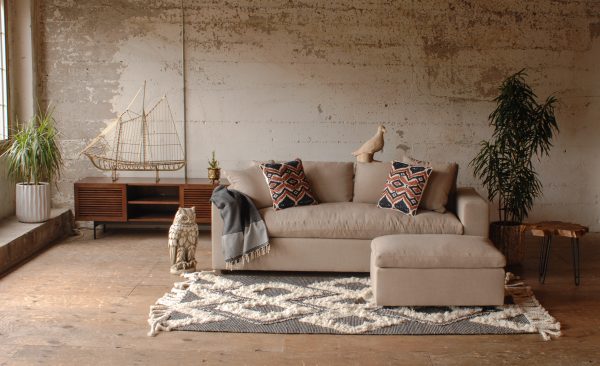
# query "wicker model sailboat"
(146, 141)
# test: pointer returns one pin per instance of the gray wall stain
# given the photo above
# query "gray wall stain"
(402, 147)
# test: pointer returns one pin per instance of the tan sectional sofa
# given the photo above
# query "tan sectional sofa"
(336, 235)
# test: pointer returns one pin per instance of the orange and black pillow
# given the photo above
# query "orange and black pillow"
(404, 187)
(288, 184)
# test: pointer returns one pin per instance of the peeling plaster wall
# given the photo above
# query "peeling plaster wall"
(276, 80)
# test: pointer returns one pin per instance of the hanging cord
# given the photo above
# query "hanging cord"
(185, 167)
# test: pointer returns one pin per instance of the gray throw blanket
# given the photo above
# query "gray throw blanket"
(244, 231)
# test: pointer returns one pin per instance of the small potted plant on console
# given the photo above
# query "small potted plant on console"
(214, 171)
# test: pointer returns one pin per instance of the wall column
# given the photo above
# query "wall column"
(22, 66)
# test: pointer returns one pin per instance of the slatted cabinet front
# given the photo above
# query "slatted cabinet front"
(141, 200)
(101, 202)
(198, 196)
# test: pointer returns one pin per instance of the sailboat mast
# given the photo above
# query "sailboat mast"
(144, 127)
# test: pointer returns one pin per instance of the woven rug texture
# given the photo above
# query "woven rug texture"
(332, 304)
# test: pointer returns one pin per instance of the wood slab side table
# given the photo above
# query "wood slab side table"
(546, 230)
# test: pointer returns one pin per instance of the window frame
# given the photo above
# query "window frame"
(5, 128)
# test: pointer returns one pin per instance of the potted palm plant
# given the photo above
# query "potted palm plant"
(523, 129)
(34, 159)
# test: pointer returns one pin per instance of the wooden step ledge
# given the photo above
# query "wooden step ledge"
(20, 242)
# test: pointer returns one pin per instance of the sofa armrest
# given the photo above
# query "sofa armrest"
(473, 212)
(216, 231)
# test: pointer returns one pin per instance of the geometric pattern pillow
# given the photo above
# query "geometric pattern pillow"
(440, 186)
(288, 185)
(404, 187)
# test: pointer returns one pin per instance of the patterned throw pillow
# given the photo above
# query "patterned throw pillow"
(404, 187)
(288, 185)
(440, 186)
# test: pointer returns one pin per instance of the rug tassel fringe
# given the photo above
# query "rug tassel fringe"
(544, 323)
(161, 311)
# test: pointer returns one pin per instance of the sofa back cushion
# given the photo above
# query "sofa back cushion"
(252, 183)
(440, 186)
(369, 180)
(330, 181)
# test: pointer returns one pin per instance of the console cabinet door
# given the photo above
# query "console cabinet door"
(198, 196)
(100, 202)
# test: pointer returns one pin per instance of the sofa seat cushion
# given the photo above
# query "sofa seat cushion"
(435, 251)
(350, 220)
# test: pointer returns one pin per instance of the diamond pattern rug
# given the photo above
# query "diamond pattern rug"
(334, 304)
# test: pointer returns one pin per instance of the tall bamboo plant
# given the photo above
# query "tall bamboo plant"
(33, 155)
(523, 129)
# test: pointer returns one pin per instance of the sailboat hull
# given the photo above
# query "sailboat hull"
(111, 164)
(146, 141)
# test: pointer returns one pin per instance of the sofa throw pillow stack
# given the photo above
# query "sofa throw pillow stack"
(440, 185)
(288, 184)
(404, 187)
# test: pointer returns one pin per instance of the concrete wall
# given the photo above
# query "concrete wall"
(279, 79)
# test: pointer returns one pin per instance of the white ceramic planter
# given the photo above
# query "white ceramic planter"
(33, 202)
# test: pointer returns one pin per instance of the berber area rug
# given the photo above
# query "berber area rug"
(332, 304)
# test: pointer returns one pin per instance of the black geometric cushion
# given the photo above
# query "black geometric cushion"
(404, 187)
(288, 184)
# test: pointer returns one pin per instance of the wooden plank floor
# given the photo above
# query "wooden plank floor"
(86, 302)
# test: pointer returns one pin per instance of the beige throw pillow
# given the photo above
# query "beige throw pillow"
(252, 183)
(440, 184)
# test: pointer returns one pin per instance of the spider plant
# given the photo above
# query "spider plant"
(33, 154)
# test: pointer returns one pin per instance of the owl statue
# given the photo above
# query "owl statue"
(183, 236)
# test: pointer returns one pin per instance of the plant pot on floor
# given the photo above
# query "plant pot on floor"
(507, 237)
(33, 202)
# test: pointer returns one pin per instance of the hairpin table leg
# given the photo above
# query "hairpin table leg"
(543, 244)
(545, 257)
(546, 230)
(575, 249)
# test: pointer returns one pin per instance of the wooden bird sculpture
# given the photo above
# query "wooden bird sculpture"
(365, 153)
